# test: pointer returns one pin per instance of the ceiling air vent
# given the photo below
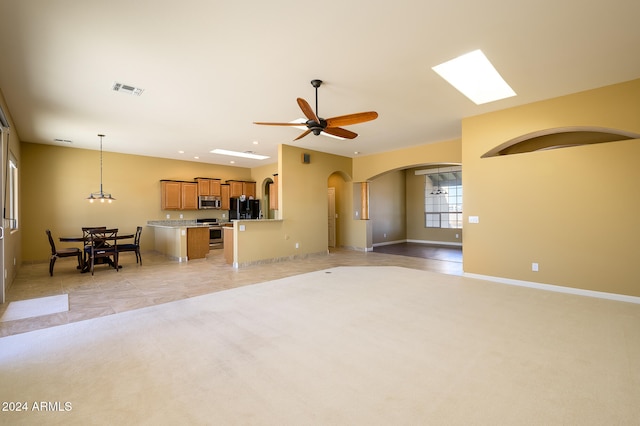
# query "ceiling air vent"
(124, 88)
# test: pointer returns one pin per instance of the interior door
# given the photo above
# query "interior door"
(331, 216)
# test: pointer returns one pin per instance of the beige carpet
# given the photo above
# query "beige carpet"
(345, 346)
(36, 307)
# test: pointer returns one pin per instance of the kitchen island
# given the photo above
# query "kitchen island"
(181, 239)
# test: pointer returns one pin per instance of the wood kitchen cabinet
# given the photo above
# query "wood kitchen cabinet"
(207, 186)
(189, 196)
(178, 195)
(240, 187)
(197, 243)
(225, 193)
(235, 187)
(249, 189)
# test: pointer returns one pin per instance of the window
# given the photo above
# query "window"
(13, 192)
(443, 198)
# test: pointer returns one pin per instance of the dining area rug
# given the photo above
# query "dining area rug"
(40, 306)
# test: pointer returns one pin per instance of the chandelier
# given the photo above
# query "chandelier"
(437, 190)
(100, 195)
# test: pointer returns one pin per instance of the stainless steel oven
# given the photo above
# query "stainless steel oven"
(215, 236)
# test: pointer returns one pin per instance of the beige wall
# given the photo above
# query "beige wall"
(370, 166)
(572, 210)
(303, 202)
(387, 207)
(56, 180)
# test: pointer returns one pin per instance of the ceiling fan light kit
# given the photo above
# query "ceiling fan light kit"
(332, 126)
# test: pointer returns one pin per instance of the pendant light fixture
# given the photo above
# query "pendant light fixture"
(100, 195)
(437, 190)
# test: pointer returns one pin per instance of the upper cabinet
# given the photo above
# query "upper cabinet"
(207, 186)
(225, 192)
(177, 195)
(240, 187)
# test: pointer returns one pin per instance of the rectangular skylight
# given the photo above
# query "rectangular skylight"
(239, 154)
(474, 76)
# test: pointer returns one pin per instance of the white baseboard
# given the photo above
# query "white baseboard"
(436, 243)
(557, 288)
(432, 243)
(388, 243)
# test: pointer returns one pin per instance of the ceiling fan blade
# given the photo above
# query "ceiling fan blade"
(278, 124)
(306, 109)
(306, 132)
(346, 120)
(340, 132)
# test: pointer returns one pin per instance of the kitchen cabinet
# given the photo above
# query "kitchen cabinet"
(249, 189)
(171, 195)
(189, 196)
(208, 186)
(236, 188)
(240, 187)
(178, 195)
(197, 243)
(225, 193)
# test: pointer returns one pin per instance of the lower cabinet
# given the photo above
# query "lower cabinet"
(197, 243)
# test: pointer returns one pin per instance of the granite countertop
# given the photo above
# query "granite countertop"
(185, 223)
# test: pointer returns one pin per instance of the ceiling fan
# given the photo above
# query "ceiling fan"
(316, 124)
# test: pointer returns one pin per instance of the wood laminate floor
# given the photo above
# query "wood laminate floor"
(425, 251)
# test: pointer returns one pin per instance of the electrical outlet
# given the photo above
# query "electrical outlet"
(181, 216)
(168, 216)
(384, 235)
(534, 267)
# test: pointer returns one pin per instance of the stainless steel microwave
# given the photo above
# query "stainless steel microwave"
(209, 202)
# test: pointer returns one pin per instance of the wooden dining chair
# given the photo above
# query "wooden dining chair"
(87, 245)
(64, 252)
(135, 246)
(103, 247)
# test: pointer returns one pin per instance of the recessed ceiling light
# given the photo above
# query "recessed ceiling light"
(247, 154)
(196, 157)
(181, 152)
(474, 76)
(255, 142)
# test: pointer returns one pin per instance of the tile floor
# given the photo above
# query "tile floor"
(161, 280)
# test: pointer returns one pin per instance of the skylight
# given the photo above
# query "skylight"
(474, 76)
(246, 154)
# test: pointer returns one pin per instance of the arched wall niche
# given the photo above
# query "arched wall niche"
(561, 137)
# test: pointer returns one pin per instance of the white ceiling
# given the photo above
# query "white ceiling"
(209, 68)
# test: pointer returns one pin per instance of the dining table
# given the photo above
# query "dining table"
(83, 239)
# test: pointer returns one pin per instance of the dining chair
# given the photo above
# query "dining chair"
(135, 246)
(85, 237)
(64, 252)
(103, 247)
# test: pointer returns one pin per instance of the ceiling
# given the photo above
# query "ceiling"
(210, 68)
